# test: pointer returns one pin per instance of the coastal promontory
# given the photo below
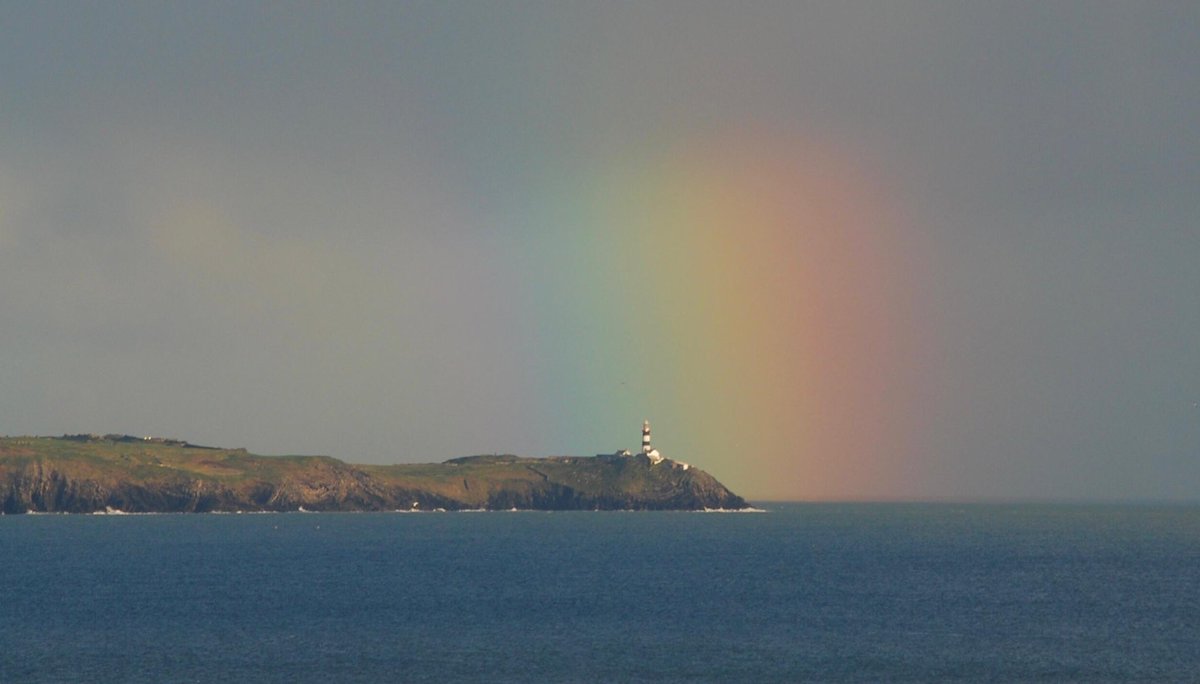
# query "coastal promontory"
(99, 473)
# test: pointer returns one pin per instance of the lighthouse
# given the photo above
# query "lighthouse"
(648, 450)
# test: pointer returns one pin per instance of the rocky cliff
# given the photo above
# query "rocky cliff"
(84, 474)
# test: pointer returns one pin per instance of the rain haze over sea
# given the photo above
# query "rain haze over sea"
(839, 250)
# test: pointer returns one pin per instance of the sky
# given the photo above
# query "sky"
(832, 251)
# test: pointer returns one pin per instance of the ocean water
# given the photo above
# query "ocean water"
(803, 592)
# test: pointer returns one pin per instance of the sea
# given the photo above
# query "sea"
(796, 593)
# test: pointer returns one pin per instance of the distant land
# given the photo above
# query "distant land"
(123, 473)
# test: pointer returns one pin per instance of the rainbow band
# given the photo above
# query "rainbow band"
(750, 293)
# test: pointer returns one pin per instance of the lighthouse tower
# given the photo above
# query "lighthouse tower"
(648, 450)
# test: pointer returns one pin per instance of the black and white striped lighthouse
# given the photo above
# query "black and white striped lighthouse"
(647, 450)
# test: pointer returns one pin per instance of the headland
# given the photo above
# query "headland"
(98, 473)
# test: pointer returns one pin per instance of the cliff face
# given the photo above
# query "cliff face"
(84, 476)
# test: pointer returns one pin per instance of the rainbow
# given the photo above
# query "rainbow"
(751, 296)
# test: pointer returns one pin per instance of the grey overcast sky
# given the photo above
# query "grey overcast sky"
(833, 250)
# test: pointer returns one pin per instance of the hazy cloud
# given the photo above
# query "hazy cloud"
(352, 229)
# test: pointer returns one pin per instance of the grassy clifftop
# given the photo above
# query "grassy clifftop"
(84, 473)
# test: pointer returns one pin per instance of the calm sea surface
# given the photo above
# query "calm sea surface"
(800, 593)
